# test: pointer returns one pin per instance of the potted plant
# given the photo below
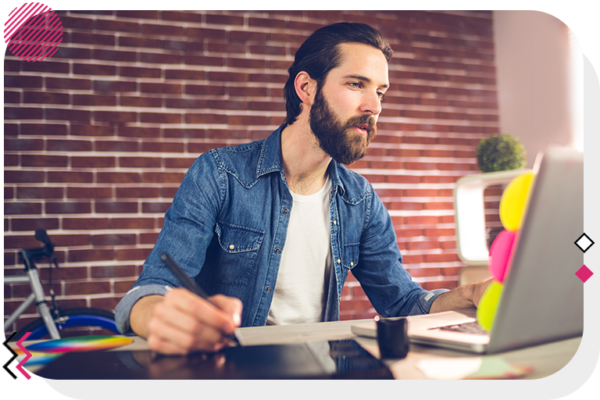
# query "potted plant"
(500, 153)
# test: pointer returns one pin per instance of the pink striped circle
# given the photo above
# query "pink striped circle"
(33, 32)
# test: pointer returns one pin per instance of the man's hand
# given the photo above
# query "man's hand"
(479, 289)
(462, 297)
(181, 322)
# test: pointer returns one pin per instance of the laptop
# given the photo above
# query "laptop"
(542, 299)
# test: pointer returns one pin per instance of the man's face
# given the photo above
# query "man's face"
(338, 138)
(344, 113)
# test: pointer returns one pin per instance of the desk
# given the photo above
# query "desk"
(545, 359)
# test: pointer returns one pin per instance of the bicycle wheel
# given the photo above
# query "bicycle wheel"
(70, 319)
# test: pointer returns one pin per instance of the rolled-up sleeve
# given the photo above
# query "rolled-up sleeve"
(424, 302)
(123, 309)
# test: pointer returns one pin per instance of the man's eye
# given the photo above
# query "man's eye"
(355, 84)
(381, 96)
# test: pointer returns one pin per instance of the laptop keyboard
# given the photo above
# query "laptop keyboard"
(472, 328)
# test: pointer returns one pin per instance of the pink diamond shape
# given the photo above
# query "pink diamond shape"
(584, 273)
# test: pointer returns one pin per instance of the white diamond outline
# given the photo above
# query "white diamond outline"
(588, 238)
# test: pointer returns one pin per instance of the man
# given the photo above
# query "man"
(271, 229)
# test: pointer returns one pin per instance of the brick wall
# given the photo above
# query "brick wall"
(98, 137)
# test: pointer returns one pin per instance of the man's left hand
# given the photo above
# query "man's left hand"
(479, 289)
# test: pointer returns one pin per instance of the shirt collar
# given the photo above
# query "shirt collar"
(271, 159)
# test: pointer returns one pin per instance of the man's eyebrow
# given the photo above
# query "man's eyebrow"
(365, 79)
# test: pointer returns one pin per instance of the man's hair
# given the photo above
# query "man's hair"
(320, 53)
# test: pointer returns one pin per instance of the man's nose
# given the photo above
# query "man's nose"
(371, 103)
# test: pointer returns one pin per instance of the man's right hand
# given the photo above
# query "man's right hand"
(181, 322)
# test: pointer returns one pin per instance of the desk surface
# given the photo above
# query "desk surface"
(545, 359)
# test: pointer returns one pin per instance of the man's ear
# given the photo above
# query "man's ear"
(306, 87)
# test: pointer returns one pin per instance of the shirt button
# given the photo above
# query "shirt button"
(351, 264)
(335, 222)
(339, 261)
(268, 289)
(285, 211)
(231, 247)
(277, 251)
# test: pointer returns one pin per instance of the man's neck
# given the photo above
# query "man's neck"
(304, 162)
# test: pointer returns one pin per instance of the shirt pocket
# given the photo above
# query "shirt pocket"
(350, 255)
(239, 251)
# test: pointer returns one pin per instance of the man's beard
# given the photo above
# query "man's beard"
(338, 139)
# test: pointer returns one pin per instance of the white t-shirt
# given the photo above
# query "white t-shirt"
(299, 294)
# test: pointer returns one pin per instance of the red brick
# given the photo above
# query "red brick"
(15, 81)
(138, 14)
(91, 255)
(192, 104)
(186, 16)
(119, 26)
(105, 303)
(46, 66)
(194, 133)
(87, 288)
(70, 177)
(113, 55)
(163, 147)
(184, 163)
(441, 257)
(247, 120)
(162, 177)
(161, 58)
(68, 114)
(115, 116)
(148, 238)
(94, 69)
(206, 33)
(355, 304)
(14, 144)
(22, 224)
(131, 101)
(116, 207)
(132, 131)
(68, 145)
(93, 39)
(94, 100)
(85, 223)
(92, 130)
(184, 74)
(219, 76)
(132, 223)
(44, 161)
(171, 88)
(113, 240)
(208, 118)
(118, 177)
(67, 83)
(115, 86)
(160, 208)
(23, 176)
(427, 220)
(131, 254)
(137, 42)
(137, 192)
(162, 30)
(45, 98)
(68, 208)
(111, 145)
(22, 113)
(93, 162)
(137, 72)
(221, 19)
(161, 118)
(116, 271)
(215, 90)
(89, 192)
(123, 286)
(139, 162)
(22, 208)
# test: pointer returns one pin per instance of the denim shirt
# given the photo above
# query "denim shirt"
(227, 227)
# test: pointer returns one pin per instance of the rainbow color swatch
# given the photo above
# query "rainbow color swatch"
(44, 352)
(82, 343)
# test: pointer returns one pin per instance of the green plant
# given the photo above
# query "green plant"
(500, 153)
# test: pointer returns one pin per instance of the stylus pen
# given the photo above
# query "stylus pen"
(192, 286)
